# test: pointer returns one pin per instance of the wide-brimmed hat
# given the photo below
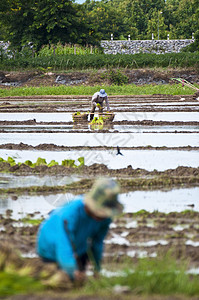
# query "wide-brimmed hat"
(102, 93)
(102, 200)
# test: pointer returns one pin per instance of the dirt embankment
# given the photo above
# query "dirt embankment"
(130, 179)
(135, 76)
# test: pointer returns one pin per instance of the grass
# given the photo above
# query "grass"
(157, 276)
(12, 284)
(163, 276)
(75, 62)
(33, 222)
(130, 89)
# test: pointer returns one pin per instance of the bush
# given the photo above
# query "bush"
(117, 77)
(194, 46)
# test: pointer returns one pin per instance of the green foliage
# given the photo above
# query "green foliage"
(28, 163)
(12, 284)
(81, 161)
(33, 222)
(99, 61)
(40, 162)
(163, 276)
(97, 121)
(11, 161)
(117, 77)
(70, 163)
(52, 163)
(57, 22)
(78, 113)
(194, 46)
(66, 49)
(41, 22)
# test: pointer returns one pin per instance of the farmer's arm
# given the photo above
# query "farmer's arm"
(97, 244)
(66, 248)
(64, 252)
(107, 103)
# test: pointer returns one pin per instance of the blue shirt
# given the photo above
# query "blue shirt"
(54, 244)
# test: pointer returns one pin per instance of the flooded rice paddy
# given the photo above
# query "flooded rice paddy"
(103, 139)
(155, 134)
(145, 159)
(175, 200)
(120, 116)
(113, 128)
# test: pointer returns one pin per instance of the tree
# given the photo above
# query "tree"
(157, 26)
(182, 17)
(41, 22)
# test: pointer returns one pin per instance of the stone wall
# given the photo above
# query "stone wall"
(144, 46)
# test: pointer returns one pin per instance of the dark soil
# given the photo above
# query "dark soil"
(135, 76)
(53, 147)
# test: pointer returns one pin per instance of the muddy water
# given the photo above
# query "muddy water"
(103, 139)
(157, 116)
(120, 116)
(160, 160)
(119, 128)
(138, 128)
(12, 181)
(162, 201)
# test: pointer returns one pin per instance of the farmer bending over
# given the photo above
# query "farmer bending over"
(97, 100)
(74, 233)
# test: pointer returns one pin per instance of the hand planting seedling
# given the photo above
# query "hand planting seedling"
(97, 101)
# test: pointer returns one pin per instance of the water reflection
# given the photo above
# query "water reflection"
(13, 181)
(103, 139)
(164, 201)
(120, 116)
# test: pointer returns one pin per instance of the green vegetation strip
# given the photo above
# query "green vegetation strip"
(98, 61)
(159, 276)
(126, 185)
(70, 163)
(162, 276)
(127, 89)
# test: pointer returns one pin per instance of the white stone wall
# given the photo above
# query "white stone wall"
(144, 46)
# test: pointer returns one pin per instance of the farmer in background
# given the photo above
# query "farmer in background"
(97, 101)
(74, 233)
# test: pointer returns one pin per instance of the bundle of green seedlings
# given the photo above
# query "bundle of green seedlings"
(103, 118)
(70, 163)
(80, 115)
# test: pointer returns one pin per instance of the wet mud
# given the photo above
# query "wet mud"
(132, 235)
(53, 147)
(130, 179)
(75, 103)
(135, 235)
